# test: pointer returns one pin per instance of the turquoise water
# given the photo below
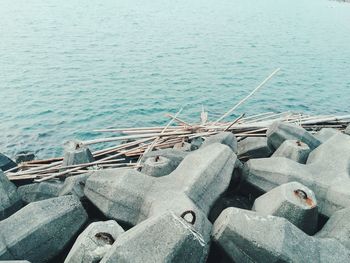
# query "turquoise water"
(68, 67)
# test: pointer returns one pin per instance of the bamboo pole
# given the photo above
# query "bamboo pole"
(247, 97)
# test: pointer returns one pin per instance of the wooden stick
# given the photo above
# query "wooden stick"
(247, 97)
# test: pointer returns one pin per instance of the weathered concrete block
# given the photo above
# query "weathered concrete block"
(326, 133)
(175, 156)
(131, 197)
(326, 173)
(226, 138)
(94, 242)
(10, 201)
(196, 143)
(39, 191)
(183, 146)
(247, 236)
(6, 163)
(337, 227)
(158, 166)
(294, 150)
(254, 147)
(163, 238)
(24, 156)
(292, 201)
(39, 231)
(281, 131)
(347, 130)
(74, 185)
(76, 153)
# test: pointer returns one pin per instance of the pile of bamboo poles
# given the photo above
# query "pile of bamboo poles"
(131, 144)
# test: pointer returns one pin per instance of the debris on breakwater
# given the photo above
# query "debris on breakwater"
(255, 189)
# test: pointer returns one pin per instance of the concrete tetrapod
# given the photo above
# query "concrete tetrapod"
(39, 231)
(279, 132)
(6, 163)
(326, 133)
(74, 185)
(247, 236)
(226, 138)
(94, 242)
(326, 173)
(294, 150)
(131, 197)
(10, 200)
(158, 166)
(39, 191)
(254, 147)
(76, 153)
(163, 239)
(338, 227)
(292, 201)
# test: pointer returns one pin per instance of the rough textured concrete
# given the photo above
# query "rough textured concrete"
(254, 147)
(174, 155)
(247, 236)
(158, 166)
(74, 185)
(39, 191)
(292, 201)
(196, 143)
(6, 163)
(24, 156)
(183, 146)
(94, 242)
(337, 227)
(164, 238)
(226, 138)
(326, 133)
(10, 201)
(131, 197)
(39, 231)
(326, 173)
(279, 132)
(294, 150)
(76, 153)
(347, 130)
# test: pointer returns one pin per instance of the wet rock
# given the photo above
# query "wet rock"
(74, 185)
(94, 242)
(326, 133)
(279, 132)
(24, 156)
(158, 166)
(292, 201)
(337, 227)
(40, 231)
(40, 191)
(226, 138)
(10, 201)
(326, 173)
(254, 147)
(163, 238)
(294, 150)
(6, 163)
(247, 236)
(132, 197)
(76, 153)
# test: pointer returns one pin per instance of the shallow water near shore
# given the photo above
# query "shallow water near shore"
(69, 67)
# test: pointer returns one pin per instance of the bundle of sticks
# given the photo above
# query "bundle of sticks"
(129, 145)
